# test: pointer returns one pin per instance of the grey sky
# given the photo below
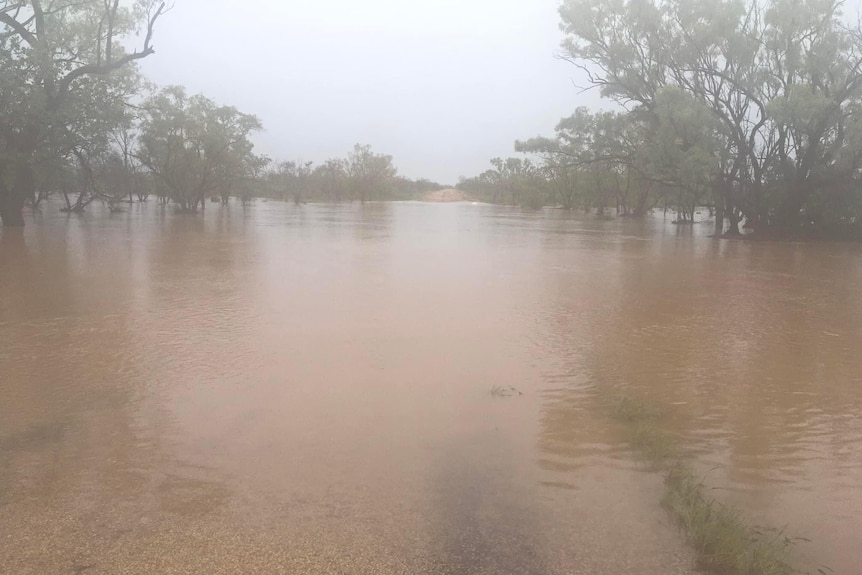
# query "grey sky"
(442, 85)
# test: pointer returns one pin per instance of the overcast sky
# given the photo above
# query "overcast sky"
(442, 85)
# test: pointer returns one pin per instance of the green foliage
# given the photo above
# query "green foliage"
(195, 148)
(513, 181)
(362, 176)
(292, 179)
(725, 543)
(752, 107)
(595, 161)
(371, 176)
(65, 74)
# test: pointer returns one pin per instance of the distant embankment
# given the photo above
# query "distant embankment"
(450, 195)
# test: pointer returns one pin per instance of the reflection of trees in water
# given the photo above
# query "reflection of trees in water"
(32, 264)
(749, 347)
(372, 220)
(84, 423)
(81, 432)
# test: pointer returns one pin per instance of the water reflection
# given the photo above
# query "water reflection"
(84, 439)
(305, 388)
(750, 347)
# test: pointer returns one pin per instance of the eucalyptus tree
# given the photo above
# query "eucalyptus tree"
(571, 159)
(194, 148)
(330, 180)
(598, 160)
(511, 181)
(782, 79)
(371, 175)
(681, 149)
(519, 182)
(293, 179)
(126, 177)
(57, 59)
(96, 144)
(814, 65)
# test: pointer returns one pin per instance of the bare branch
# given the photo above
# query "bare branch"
(19, 29)
(110, 66)
(109, 42)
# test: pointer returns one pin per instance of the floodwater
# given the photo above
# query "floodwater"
(283, 389)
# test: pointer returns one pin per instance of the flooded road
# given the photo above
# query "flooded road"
(309, 390)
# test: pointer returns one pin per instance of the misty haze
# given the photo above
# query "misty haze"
(486, 287)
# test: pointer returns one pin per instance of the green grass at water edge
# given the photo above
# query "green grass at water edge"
(724, 542)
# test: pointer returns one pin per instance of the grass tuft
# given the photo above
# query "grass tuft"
(654, 445)
(724, 542)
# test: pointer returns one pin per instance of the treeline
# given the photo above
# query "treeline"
(750, 108)
(361, 176)
(78, 120)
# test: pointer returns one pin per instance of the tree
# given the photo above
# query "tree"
(53, 58)
(130, 179)
(95, 144)
(598, 160)
(371, 175)
(195, 148)
(293, 179)
(512, 181)
(681, 151)
(330, 179)
(781, 79)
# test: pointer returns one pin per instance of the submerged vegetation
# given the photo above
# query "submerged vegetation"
(724, 542)
(78, 120)
(752, 109)
(500, 392)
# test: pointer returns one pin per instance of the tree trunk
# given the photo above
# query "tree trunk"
(20, 168)
(11, 208)
(12, 199)
(733, 216)
(719, 220)
(790, 218)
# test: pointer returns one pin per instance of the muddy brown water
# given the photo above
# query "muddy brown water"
(308, 390)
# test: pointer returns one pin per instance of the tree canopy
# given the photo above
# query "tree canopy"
(195, 148)
(78, 119)
(64, 76)
(753, 108)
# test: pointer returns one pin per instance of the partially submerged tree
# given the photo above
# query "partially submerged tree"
(782, 81)
(53, 58)
(195, 148)
(371, 175)
(95, 144)
(511, 181)
(293, 180)
(330, 179)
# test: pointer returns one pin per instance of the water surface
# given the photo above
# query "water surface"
(307, 389)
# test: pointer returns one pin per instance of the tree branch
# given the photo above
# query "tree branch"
(109, 42)
(19, 28)
(110, 66)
